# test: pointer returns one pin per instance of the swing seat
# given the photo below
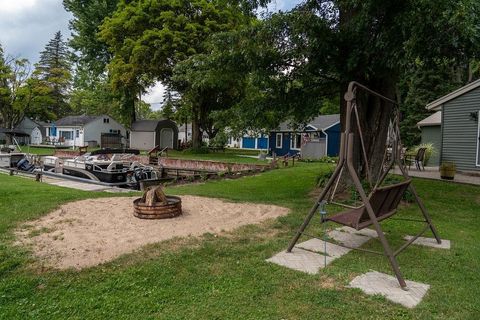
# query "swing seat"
(384, 202)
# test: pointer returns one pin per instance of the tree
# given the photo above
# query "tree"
(93, 55)
(297, 59)
(14, 95)
(148, 39)
(51, 80)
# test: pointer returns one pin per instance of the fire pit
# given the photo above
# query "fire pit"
(156, 205)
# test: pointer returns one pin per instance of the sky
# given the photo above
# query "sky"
(26, 26)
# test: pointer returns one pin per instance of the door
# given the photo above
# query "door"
(166, 138)
(36, 136)
(262, 143)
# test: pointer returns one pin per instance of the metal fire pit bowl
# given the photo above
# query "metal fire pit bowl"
(155, 205)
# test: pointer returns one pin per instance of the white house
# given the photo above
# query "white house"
(83, 130)
(185, 134)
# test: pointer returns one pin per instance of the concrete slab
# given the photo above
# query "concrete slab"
(301, 260)
(430, 242)
(348, 239)
(364, 232)
(318, 245)
(79, 185)
(383, 284)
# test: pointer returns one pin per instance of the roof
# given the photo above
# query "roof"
(432, 120)
(74, 121)
(182, 127)
(14, 132)
(145, 125)
(437, 104)
(318, 123)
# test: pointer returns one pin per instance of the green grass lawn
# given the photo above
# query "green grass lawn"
(41, 151)
(226, 277)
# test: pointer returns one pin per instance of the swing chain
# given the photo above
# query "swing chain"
(323, 214)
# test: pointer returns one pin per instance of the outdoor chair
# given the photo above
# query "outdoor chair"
(418, 159)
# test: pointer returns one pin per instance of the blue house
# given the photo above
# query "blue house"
(320, 137)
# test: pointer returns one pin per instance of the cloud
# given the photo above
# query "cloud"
(27, 25)
(154, 96)
(283, 5)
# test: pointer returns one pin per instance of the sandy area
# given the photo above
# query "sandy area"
(89, 232)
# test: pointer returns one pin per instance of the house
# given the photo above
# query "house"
(85, 130)
(35, 129)
(249, 141)
(460, 129)
(318, 138)
(147, 134)
(431, 128)
(185, 134)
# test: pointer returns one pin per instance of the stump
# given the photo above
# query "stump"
(156, 205)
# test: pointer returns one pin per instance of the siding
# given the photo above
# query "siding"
(93, 130)
(460, 132)
(333, 147)
(433, 134)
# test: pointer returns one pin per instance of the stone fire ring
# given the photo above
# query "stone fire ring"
(158, 210)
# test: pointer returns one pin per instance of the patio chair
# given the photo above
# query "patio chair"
(418, 159)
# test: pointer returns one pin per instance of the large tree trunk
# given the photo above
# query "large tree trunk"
(374, 115)
(196, 133)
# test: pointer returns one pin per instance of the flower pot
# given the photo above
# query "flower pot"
(447, 171)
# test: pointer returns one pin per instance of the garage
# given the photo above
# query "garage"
(147, 134)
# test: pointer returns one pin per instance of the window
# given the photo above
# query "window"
(295, 141)
(67, 135)
(77, 133)
(115, 131)
(279, 140)
(106, 120)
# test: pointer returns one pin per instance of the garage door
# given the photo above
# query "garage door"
(142, 140)
(248, 143)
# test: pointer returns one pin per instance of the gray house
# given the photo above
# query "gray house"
(147, 134)
(34, 128)
(431, 128)
(460, 130)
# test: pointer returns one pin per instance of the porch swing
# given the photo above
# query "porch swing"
(382, 202)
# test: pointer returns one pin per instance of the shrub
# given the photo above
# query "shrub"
(200, 150)
(431, 150)
(323, 178)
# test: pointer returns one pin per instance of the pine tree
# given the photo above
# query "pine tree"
(52, 79)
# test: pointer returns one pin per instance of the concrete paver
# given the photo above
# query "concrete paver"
(301, 260)
(375, 282)
(318, 245)
(430, 242)
(348, 239)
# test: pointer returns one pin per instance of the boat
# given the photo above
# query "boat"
(108, 166)
(10, 160)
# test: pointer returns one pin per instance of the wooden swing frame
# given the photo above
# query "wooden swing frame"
(346, 160)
